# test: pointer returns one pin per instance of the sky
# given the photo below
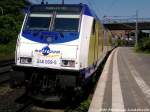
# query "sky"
(112, 8)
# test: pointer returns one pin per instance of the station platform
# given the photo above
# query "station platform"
(124, 85)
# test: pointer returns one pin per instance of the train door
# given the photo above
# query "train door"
(91, 54)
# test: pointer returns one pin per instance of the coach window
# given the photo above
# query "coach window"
(93, 27)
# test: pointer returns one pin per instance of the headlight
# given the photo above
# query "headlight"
(68, 63)
(25, 60)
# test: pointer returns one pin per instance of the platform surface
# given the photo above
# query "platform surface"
(124, 84)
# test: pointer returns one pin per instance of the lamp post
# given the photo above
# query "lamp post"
(2, 10)
(136, 29)
(63, 1)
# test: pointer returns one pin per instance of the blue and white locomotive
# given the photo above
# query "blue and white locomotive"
(59, 48)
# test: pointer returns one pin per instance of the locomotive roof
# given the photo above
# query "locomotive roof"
(72, 8)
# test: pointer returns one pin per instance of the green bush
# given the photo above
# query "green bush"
(6, 36)
(7, 50)
(119, 42)
(144, 45)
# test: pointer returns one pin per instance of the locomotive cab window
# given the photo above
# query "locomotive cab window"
(66, 23)
(38, 22)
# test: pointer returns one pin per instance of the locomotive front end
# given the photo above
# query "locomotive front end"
(47, 50)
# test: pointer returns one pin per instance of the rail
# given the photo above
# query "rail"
(26, 107)
(5, 67)
(6, 62)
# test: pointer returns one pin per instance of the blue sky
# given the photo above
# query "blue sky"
(113, 7)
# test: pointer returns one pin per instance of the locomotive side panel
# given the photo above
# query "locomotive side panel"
(96, 45)
(101, 41)
(84, 40)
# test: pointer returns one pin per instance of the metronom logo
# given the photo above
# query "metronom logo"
(46, 51)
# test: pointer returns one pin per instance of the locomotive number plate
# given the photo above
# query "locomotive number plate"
(50, 62)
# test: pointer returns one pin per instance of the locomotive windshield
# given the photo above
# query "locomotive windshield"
(38, 23)
(59, 23)
(54, 18)
(66, 23)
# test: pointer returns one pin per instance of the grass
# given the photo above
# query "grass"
(7, 51)
(83, 107)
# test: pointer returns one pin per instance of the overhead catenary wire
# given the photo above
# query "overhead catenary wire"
(98, 9)
(38, 1)
(93, 6)
(113, 3)
(106, 18)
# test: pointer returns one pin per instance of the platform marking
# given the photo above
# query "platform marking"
(117, 98)
(97, 100)
(141, 83)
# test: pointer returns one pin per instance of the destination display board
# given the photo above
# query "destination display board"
(57, 8)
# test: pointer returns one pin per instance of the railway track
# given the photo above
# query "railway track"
(29, 107)
(5, 68)
(26, 107)
(39, 109)
(32, 106)
(8, 96)
(5, 63)
(4, 78)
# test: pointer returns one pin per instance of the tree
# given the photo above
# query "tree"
(11, 20)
